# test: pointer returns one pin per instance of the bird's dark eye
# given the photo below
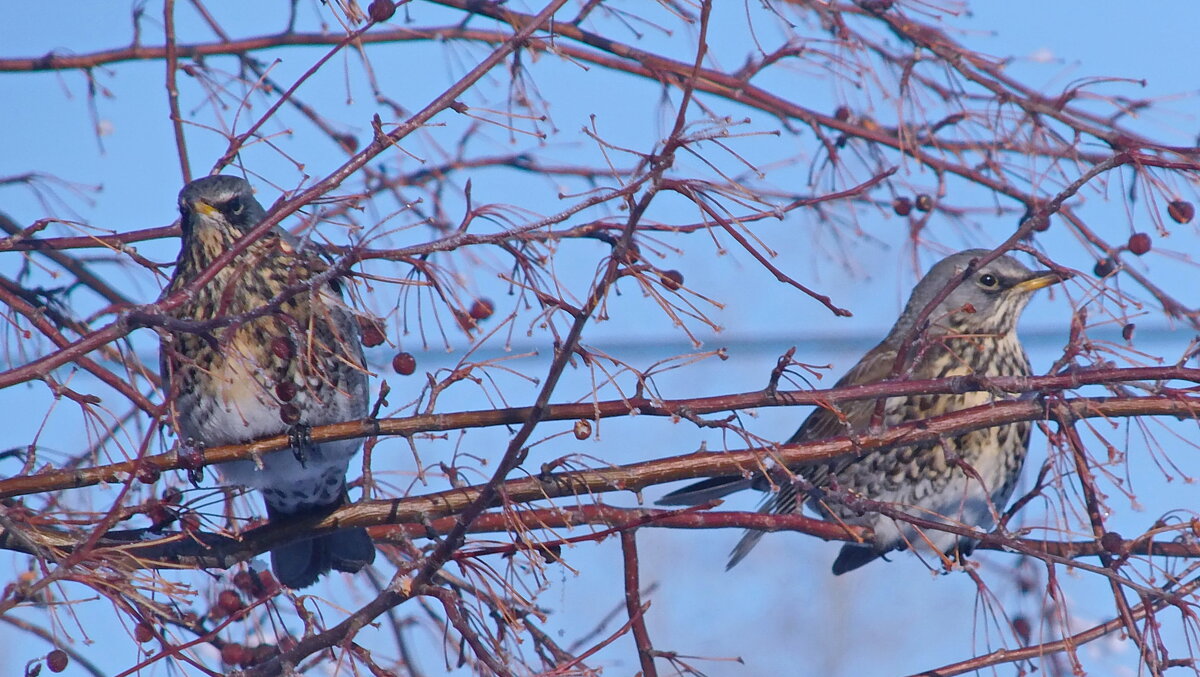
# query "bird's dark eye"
(237, 206)
(988, 281)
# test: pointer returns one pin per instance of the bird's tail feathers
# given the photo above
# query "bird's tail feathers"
(706, 490)
(783, 500)
(300, 563)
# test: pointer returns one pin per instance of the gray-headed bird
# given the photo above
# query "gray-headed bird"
(971, 331)
(280, 353)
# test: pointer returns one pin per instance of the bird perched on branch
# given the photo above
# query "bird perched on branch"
(272, 350)
(970, 331)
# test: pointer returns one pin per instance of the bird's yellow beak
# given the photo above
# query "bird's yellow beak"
(1039, 280)
(203, 208)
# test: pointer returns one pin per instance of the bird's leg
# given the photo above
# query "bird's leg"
(191, 457)
(300, 439)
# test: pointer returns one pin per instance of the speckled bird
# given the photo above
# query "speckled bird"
(284, 355)
(971, 331)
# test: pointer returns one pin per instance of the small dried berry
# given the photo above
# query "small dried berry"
(142, 632)
(348, 142)
(148, 474)
(190, 522)
(283, 348)
(57, 660)
(1112, 542)
(229, 602)
(1139, 243)
(902, 206)
(583, 429)
(1127, 332)
(285, 391)
(842, 113)
(289, 414)
(1022, 629)
(1182, 211)
(482, 309)
(671, 279)
(233, 653)
(464, 320)
(381, 10)
(371, 334)
(247, 582)
(172, 496)
(404, 364)
(924, 202)
(1104, 268)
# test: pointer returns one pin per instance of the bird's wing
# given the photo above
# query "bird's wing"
(835, 420)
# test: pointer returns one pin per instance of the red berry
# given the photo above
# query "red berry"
(583, 429)
(924, 202)
(289, 414)
(232, 653)
(230, 602)
(381, 10)
(482, 309)
(1104, 268)
(57, 660)
(371, 333)
(142, 632)
(902, 206)
(1139, 243)
(671, 279)
(404, 364)
(1182, 211)
(842, 113)
(148, 474)
(1112, 542)
(1022, 629)
(190, 522)
(285, 391)
(283, 348)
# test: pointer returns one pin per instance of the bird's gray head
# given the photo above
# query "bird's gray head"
(988, 301)
(224, 202)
